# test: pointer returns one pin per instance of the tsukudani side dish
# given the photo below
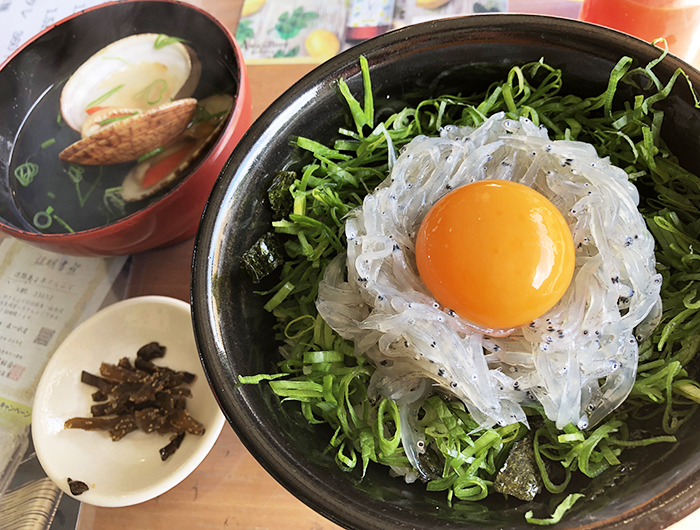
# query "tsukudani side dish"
(140, 396)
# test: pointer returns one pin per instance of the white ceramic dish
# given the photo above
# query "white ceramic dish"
(129, 471)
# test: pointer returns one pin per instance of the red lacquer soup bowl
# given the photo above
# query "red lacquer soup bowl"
(84, 203)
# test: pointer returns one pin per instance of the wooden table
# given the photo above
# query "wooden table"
(229, 489)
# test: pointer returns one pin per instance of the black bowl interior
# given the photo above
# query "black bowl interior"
(233, 331)
(52, 57)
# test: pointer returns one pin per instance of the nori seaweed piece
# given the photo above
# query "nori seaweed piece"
(519, 475)
(77, 487)
(263, 257)
(173, 446)
(281, 199)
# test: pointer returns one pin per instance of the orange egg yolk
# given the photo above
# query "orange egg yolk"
(497, 252)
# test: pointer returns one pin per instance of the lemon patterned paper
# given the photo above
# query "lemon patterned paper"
(306, 30)
(316, 30)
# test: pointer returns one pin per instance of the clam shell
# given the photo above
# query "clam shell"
(92, 124)
(120, 75)
(199, 135)
(128, 139)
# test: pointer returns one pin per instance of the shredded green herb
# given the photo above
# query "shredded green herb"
(45, 218)
(113, 204)
(163, 40)
(103, 97)
(118, 118)
(26, 172)
(202, 114)
(63, 223)
(559, 511)
(42, 219)
(153, 93)
(117, 59)
(48, 143)
(150, 154)
(330, 382)
(82, 199)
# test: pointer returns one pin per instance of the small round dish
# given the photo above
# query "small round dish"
(129, 471)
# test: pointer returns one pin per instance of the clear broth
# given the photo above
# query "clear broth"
(59, 197)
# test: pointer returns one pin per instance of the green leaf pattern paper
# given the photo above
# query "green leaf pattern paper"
(315, 30)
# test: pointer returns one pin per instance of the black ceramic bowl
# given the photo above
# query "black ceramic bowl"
(234, 332)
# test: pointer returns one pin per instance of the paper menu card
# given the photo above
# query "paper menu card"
(43, 297)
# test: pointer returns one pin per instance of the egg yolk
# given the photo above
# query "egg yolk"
(497, 252)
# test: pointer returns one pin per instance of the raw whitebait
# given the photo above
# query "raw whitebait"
(578, 360)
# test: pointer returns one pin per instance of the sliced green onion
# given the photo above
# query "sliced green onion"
(255, 379)
(161, 85)
(330, 356)
(297, 389)
(48, 143)
(163, 40)
(104, 97)
(150, 154)
(279, 296)
(563, 507)
(26, 172)
(63, 223)
(117, 118)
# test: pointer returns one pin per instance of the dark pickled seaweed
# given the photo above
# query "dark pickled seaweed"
(92, 424)
(125, 363)
(140, 396)
(145, 366)
(263, 257)
(519, 476)
(150, 351)
(125, 425)
(281, 200)
(167, 451)
(99, 396)
(150, 419)
(179, 391)
(93, 380)
(77, 487)
(102, 409)
(180, 421)
(118, 374)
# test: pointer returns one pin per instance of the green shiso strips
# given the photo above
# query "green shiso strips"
(320, 370)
